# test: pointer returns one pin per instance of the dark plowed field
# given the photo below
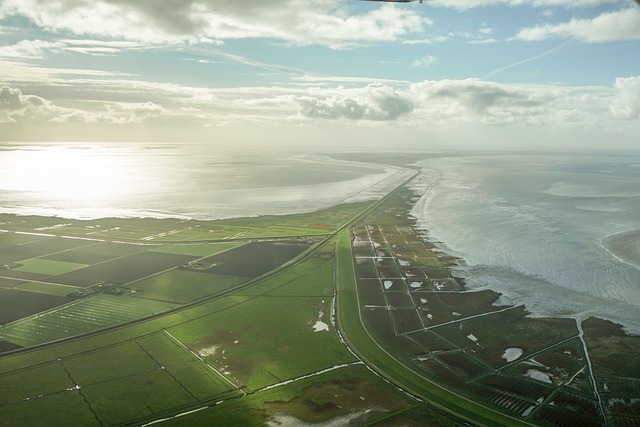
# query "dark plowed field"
(123, 270)
(15, 305)
(5, 282)
(255, 258)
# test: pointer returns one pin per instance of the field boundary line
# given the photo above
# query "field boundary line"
(197, 356)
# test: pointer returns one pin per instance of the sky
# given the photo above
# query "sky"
(498, 74)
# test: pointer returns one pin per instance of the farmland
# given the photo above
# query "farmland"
(335, 317)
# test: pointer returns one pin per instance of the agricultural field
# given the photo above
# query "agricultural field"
(53, 287)
(270, 348)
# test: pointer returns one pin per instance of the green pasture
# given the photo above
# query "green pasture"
(48, 267)
(181, 286)
(269, 337)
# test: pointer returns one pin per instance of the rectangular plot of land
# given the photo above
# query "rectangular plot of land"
(393, 285)
(366, 269)
(46, 411)
(80, 316)
(33, 382)
(24, 275)
(518, 386)
(80, 257)
(389, 272)
(559, 417)
(15, 304)
(109, 364)
(255, 258)
(399, 299)
(6, 282)
(38, 248)
(48, 266)
(463, 364)
(430, 341)
(370, 293)
(182, 285)
(114, 249)
(47, 288)
(406, 320)
(12, 239)
(193, 374)
(124, 270)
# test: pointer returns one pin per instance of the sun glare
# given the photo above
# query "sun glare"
(77, 173)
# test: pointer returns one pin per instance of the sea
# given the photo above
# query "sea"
(557, 233)
(199, 181)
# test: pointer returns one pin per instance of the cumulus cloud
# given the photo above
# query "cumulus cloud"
(296, 21)
(14, 105)
(376, 102)
(626, 104)
(451, 102)
(610, 26)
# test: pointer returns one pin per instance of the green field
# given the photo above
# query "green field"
(253, 339)
(48, 267)
(182, 286)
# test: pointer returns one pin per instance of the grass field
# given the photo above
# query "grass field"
(256, 338)
(49, 267)
(181, 286)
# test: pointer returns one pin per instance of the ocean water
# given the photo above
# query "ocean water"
(560, 234)
(186, 180)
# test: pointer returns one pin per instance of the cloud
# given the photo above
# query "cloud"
(36, 49)
(376, 102)
(28, 49)
(14, 105)
(300, 22)
(609, 26)
(626, 104)
(473, 101)
(469, 4)
(425, 61)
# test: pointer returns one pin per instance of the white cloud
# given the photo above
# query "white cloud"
(626, 104)
(425, 61)
(610, 26)
(469, 4)
(14, 105)
(376, 102)
(299, 22)
(473, 101)
(29, 49)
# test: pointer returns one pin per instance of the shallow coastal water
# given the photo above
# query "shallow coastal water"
(557, 233)
(195, 181)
